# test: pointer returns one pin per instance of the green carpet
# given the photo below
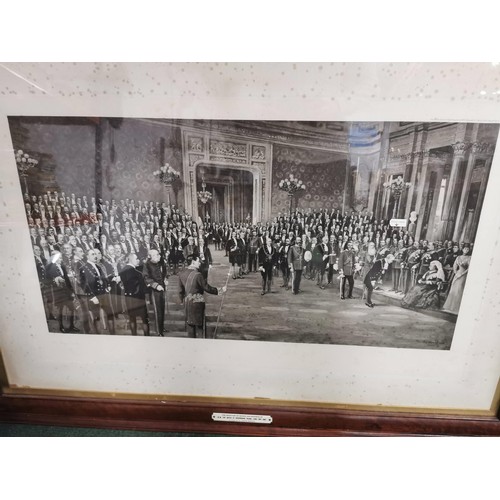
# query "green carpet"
(18, 430)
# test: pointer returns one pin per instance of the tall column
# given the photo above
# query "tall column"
(453, 192)
(421, 194)
(375, 201)
(99, 134)
(409, 172)
(482, 191)
(463, 197)
(256, 198)
(418, 156)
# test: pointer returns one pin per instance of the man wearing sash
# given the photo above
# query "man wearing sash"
(192, 286)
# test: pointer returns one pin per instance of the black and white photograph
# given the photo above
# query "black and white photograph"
(346, 233)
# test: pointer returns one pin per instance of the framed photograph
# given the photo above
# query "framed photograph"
(179, 254)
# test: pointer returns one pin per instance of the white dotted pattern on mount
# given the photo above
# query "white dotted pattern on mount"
(401, 82)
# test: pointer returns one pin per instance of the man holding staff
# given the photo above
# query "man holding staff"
(192, 286)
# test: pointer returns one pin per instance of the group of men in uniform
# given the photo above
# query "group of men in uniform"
(96, 262)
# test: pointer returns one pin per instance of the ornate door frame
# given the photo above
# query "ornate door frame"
(201, 147)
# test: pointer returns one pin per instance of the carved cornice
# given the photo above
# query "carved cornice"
(459, 148)
(227, 149)
(278, 132)
(223, 159)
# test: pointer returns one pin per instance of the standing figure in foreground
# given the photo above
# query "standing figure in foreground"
(296, 263)
(155, 275)
(460, 269)
(283, 263)
(134, 291)
(376, 272)
(205, 257)
(347, 261)
(192, 287)
(62, 291)
(321, 256)
(95, 286)
(234, 247)
(267, 260)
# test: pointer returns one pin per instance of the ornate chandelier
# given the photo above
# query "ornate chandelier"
(397, 187)
(204, 196)
(24, 163)
(291, 185)
(167, 174)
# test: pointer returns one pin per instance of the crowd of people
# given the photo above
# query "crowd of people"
(323, 245)
(98, 259)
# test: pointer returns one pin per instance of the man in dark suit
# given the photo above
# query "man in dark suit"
(42, 278)
(170, 245)
(95, 286)
(376, 272)
(267, 261)
(332, 257)
(283, 263)
(134, 287)
(296, 264)
(233, 247)
(253, 249)
(62, 291)
(321, 255)
(346, 264)
(155, 275)
(205, 255)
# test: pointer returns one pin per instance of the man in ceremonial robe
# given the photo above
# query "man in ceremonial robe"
(192, 287)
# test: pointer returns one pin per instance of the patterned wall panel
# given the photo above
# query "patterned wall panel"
(322, 173)
(66, 154)
(131, 150)
(140, 149)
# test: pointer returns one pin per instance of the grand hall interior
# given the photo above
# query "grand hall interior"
(405, 194)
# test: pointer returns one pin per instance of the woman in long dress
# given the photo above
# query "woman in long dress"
(460, 269)
(425, 294)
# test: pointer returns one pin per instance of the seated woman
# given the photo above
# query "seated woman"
(425, 294)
